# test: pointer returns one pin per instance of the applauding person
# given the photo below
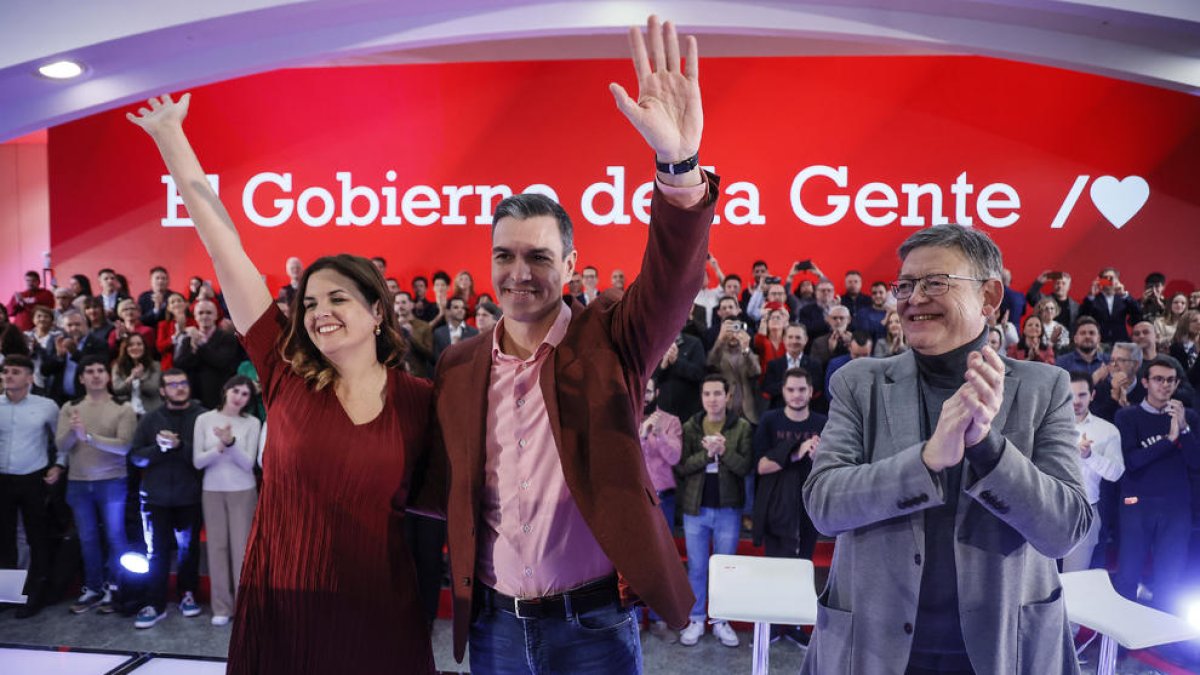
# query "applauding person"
(225, 446)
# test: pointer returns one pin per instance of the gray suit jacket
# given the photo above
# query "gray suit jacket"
(869, 488)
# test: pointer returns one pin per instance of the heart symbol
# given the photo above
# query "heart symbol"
(1120, 200)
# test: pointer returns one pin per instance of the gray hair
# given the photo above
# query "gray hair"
(66, 313)
(1134, 349)
(978, 248)
(530, 205)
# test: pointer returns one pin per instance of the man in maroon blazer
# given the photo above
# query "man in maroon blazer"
(553, 524)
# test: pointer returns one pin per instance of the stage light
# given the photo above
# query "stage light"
(135, 562)
(61, 70)
(1193, 612)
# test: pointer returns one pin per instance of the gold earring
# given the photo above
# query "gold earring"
(378, 330)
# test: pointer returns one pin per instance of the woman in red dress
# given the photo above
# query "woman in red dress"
(328, 583)
(176, 322)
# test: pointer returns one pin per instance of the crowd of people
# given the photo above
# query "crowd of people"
(169, 402)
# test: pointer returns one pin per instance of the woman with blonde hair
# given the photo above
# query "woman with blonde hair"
(1169, 323)
(1055, 335)
(768, 342)
(892, 342)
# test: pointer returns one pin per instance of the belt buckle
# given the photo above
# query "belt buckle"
(517, 609)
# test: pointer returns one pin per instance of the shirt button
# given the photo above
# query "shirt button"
(917, 558)
(908, 628)
(522, 442)
(529, 573)
(524, 485)
(520, 402)
(526, 528)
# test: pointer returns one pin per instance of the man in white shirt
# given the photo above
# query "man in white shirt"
(1099, 458)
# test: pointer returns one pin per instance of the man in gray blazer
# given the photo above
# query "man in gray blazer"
(948, 475)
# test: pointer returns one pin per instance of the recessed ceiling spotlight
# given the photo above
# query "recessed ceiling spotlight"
(61, 70)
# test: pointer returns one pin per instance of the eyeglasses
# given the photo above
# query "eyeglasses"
(175, 385)
(1159, 379)
(932, 285)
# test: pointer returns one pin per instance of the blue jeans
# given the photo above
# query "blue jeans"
(1160, 528)
(601, 641)
(718, 528)
(93, 502)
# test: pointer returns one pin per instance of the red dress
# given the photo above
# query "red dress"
(328, 584)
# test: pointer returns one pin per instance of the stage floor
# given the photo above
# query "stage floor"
(111, 644)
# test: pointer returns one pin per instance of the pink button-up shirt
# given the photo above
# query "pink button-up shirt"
(534, 541)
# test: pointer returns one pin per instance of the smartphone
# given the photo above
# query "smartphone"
(771, 280)
(1054, 276)
(1105, 282)
(804, 266)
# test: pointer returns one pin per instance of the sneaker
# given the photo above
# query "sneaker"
(220, 620)
(106, 603)
(188, 606)
(148, 616)
(689, 636)
(725, 634)
(796, 636)
(87, 600)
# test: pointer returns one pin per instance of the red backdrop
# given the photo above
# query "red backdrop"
(1131, 153)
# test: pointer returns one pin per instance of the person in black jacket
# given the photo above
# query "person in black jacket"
(170, 495)
(208, 354)
(678, 377)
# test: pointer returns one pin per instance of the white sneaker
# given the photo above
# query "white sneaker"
(689, 636)
(219, 620)
(725, 634)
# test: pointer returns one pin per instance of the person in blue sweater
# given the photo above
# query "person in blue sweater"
(1159, 440)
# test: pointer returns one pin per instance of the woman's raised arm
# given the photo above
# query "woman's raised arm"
(245, 292)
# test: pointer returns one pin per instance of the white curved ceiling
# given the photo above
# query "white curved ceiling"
(137, 48)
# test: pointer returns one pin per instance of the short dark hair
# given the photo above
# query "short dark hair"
(404, 293)
(854, 272)
(1077, 376)
(715, 377)
(530, 205)
(171, 372)
(592, 268)
(441, 274)
(19, 360)
(159, 268)
(1155, 278)
(1162, 361)
(861, 338)
(455, 299)
(731, 276)
(759, 262)
(876, 284)
(106, 269)
(32, 273)
(420, 279)
(1085, 321)
(93, 359)
(797, 372)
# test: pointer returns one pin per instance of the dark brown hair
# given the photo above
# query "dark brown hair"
(298, 349)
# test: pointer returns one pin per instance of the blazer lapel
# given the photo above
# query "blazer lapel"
(902, 410)
(477, 380)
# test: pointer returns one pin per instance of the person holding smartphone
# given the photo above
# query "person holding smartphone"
(1112, 306)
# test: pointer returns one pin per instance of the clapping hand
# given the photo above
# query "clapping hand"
(667, 112)
(1085, 446)
(77, 426)
(984, 393)
(225, 435)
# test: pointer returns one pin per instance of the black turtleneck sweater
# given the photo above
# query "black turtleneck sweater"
(937, 638)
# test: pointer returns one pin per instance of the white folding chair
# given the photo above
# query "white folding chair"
(762, 591)
(1092, 601)
(12, 586)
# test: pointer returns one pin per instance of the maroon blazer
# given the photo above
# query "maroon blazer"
(593, 389)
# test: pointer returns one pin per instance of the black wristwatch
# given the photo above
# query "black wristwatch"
(680, 167)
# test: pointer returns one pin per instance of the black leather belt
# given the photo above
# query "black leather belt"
(590, 596)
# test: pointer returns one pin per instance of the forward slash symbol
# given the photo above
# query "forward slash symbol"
(1068, 204)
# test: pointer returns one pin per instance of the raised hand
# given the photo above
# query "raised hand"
(163, 113)
(1085, 446)
(667, 112)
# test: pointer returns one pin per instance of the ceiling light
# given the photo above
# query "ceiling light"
(61, 70)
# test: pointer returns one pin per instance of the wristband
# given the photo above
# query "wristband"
(230, 444)
(678, 168)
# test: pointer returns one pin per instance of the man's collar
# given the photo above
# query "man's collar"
(558, 330)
